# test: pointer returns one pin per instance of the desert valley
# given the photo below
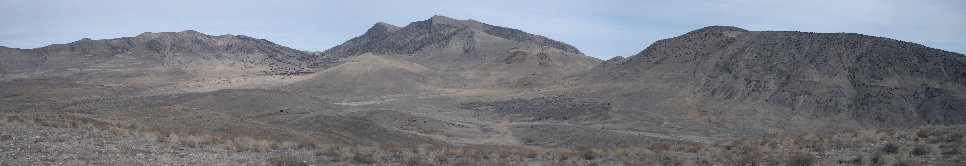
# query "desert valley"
(447, 91)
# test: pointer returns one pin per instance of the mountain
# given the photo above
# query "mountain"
(179, 61)
(462, 82)
(154, 48)
(469, 54)
(439, 31)
(778, 81)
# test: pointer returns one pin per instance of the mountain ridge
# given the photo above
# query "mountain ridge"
(777, 75)
(438, 28)
(465, 82)
(469, 54)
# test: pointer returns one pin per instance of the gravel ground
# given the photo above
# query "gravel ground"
(26, 144)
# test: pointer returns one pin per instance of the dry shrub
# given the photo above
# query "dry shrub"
(587, 153)
(47, 123)
(850, 132)
(414, 161)
(659, 147)
(503, 161)
(155, 137)
(908, 162)
(719, 143)
(765, 141)
(529, 153)
(838, 143)
(14, 118)
(673, 161)
(388, 148)
(920, 149)
(816, 145)
(443, 156)
(953, 150)
(286, 160)
(737, 142)
(431, 148)
(238, 147)
(826, 136)
(333, 151)
(958, 137)
(621, 153)
(750, 154)
(363, 158)
(878, 157)
(274, 144)
(101, 125)
(923, 133)
(131, 127)
(413, 149)
(885, 130)
(694, 147)
(336, 156)
(800, 159)
(194, 141)
(225, 136)
(891, 148)
(306, 144)
(163, 133)
(75, 124)
(754, 158)
(262, 145)
(799, 140)
(481, 153)
(502, 153)
(33, 121)
(563, 155)
(748, 148)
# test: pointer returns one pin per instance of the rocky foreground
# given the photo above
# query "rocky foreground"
(51, 141)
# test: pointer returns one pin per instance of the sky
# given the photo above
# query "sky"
(599, 28)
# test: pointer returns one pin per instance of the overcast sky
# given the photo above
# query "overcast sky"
(602, 29)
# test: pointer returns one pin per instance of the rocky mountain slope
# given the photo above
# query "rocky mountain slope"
(156, 49)
(467, 54)
(186, 61)
(793, 81)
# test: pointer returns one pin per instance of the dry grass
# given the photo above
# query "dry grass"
(942, 145)
(801, 159)
(920, 150)
(287, 160)
(587, 153)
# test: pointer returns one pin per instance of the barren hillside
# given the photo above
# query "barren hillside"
(461, 92)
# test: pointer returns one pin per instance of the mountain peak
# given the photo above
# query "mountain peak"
(191, 33)
(437, 19)
(441, 18)
(383, 24)
(721, 28)
(384, 27)
(438, 31)
(717, 30)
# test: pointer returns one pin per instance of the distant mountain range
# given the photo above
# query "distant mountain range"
(714, 82)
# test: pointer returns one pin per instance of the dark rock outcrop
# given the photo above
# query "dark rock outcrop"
(872, 80)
